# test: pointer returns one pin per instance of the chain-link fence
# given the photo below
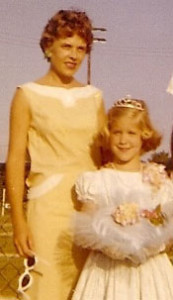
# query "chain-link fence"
(11, 265)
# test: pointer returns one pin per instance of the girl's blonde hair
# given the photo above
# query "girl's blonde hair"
(138, 111)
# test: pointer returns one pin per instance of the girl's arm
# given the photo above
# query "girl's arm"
(89, 207)
(15, 172)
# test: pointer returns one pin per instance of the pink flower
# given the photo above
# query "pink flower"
(154, 174)
(126, 214)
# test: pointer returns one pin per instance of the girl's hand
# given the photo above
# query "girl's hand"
(23, 240)
(89, 207)
(169, 249)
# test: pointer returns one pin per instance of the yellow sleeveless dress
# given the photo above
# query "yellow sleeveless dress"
(62, 144)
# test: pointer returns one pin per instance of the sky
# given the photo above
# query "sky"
(137, 58)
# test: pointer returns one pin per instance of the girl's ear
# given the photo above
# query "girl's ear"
(146, 141)
(146, 134)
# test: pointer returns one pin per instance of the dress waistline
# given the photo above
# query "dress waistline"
(44, 187)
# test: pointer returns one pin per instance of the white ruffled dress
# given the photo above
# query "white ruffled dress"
(104, 278)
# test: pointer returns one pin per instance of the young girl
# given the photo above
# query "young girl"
(127, 215)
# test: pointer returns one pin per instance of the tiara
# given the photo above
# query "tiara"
(129, 103)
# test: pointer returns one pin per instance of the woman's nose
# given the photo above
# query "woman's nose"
(73, 53)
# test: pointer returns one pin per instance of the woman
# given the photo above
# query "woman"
(56, 120)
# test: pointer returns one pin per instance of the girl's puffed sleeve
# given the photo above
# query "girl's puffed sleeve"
(86, 187)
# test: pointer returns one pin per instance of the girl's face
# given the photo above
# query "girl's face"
(66, 55)
(126, 142)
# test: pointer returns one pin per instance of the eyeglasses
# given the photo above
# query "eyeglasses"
(26, 279)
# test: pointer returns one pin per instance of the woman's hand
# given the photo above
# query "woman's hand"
(23, 239)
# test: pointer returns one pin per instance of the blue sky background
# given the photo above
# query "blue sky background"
(137, 58)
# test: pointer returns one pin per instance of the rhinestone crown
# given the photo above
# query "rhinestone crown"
(129, 103)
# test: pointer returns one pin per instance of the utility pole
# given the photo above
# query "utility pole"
(95, 40)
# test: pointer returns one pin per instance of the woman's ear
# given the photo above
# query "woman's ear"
(48, 54)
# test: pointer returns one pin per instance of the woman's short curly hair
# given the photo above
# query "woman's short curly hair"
(66, 23)
(151, 138)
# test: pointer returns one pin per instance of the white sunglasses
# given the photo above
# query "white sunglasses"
(26, 279)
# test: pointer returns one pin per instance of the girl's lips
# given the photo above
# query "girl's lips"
(124, 149)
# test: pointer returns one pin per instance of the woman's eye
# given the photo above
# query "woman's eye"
(66, 46)
(82, 49)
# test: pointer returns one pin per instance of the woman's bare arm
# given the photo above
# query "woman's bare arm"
(15, 171)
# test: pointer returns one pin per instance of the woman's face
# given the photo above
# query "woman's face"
(126, 141)
(67, 55)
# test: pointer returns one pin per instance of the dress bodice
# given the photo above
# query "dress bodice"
(63, 129)
(110, 186)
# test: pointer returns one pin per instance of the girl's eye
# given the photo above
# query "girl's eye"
(132, 132)
(116, 132)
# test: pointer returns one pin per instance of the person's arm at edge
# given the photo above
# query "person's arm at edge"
(15, 172)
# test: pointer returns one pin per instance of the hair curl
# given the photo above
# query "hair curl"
(66, 23)
(151, 138)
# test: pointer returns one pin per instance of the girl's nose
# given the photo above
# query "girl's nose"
(123, 138)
